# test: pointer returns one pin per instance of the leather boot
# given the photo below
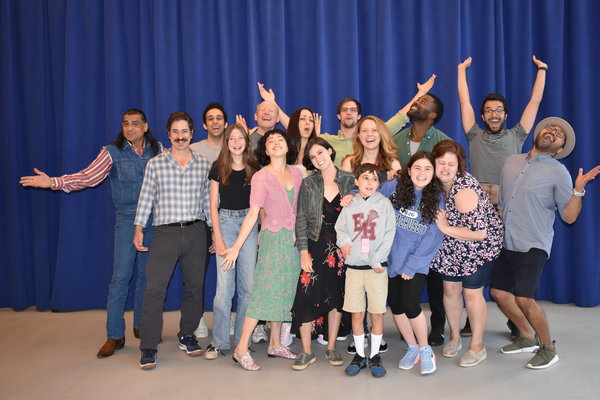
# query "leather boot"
(108, 349)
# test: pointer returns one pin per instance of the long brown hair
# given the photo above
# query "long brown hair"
(224, 161)
(387, 148)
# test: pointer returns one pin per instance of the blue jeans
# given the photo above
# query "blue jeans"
(241, 277)
(125, 256)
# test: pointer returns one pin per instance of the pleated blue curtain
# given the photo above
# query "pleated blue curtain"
(69, 69)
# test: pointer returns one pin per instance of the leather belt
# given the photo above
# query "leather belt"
(182, 224)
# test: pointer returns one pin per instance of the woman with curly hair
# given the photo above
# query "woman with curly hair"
(416, 196)
(275, 189)
(373, 144)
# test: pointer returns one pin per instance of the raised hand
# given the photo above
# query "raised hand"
(538, 63)
(466, 64)
(582, 179)
(426, 87)
(317, 119)
(264, 94)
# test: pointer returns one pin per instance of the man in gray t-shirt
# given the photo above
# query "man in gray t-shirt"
(489, 149)
(215, 122)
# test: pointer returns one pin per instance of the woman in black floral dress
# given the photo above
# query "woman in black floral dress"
(320, 291)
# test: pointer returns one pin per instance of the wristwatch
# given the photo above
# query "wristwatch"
(578, 194)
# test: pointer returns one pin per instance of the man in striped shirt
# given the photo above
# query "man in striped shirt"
(176, 191)
(123, 162)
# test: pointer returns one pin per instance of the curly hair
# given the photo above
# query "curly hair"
(387, 148)
(261, 151)
(224, 160)
(404, 196)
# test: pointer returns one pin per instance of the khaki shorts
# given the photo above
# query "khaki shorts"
(359, 282)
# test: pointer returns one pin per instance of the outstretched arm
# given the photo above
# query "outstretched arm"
(528, 117)
(422, 89)
(284, 120)
(466, 109)
(39, 180)
(573, 207)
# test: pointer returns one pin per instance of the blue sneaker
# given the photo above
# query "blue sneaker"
(427, 360)
(410, 358)
(376, 365)
(190, 345)
(148, 360)
(356, 365)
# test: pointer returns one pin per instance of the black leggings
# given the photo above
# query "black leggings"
(404, 296)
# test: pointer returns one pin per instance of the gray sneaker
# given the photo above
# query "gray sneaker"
(334, 358)
(303, 360)
(544, 358)
(521, 345)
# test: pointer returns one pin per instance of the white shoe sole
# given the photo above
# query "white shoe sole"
(551, 363)
(523, 350)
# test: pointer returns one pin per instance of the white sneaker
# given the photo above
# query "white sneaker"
(202, 331)
(259, 335)
(322, 340)
(286, 335)
(232, 324)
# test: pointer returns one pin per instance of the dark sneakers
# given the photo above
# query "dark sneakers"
(435, 339)
(376, 365)
(356, 365)
(190, 345)
(148, 360)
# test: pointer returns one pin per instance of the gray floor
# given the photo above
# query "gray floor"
(52, 356)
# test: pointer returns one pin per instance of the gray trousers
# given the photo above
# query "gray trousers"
(172, 244)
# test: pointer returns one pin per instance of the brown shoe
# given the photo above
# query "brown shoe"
(108, 349)
(136, 332)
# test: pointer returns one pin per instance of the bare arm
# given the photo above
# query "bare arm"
(214, 216)
(573, 207)
(466, 201)
(528, 117)
(269, 95)
(466, 109)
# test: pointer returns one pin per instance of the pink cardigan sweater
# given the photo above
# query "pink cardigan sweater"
(266, 192)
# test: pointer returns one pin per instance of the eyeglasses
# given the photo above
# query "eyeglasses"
(348, 109)
(135, 124)
(556, 130)
(490, 111)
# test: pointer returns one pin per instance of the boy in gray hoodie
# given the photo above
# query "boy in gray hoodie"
(365, 232)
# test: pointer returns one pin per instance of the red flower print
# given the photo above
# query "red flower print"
(330, 260)
(305, 278)
(319, 321)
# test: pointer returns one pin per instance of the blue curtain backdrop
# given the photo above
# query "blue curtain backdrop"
(69, 69)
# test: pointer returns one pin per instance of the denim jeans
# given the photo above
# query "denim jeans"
(125, 256)
(240, 278)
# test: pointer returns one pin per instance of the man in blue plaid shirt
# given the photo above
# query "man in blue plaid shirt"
(176, 191)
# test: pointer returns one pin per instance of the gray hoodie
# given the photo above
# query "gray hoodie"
(369, 227)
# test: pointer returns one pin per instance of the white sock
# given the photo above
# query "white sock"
(375, 343)
(359, 343)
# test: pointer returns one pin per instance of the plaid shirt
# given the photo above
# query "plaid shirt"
(172, 194)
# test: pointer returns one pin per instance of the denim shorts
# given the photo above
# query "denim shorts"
(479, 279)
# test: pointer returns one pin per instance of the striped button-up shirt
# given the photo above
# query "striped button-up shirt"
(173, 194)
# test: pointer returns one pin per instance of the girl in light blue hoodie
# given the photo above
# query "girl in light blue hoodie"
(416, 196)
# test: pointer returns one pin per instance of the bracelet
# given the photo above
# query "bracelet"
(578, 194)
(543, 68)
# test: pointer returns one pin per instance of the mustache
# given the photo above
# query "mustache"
(182, 140)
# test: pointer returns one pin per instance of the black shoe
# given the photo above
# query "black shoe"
(383, 347)
(435, 339)
(466, 331)
(514, 331)
(376, 366)
(148, 359)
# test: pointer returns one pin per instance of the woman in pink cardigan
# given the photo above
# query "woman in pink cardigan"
(274, 189)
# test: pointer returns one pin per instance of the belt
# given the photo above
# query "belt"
(182, 224)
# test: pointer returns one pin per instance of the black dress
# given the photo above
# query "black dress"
(323, 290)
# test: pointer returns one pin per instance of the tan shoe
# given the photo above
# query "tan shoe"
(108, 349)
